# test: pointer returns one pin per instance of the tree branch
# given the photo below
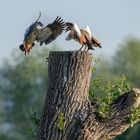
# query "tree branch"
(116, 123)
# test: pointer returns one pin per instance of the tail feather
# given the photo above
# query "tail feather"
(96, 43)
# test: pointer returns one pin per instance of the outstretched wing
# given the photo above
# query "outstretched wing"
(54, 29)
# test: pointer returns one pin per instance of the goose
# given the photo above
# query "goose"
(42, 34)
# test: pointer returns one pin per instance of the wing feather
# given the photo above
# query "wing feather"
(56, 28)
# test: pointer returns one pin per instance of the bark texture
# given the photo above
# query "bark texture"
(68, 114)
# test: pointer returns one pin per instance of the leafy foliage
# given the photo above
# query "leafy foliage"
(60, 121)
(34, 117)
(111, 92)
(134, 117)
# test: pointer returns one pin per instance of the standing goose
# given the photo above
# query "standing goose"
(83, 36)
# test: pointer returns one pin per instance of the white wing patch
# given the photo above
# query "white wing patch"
(77, 29)
(88, 30)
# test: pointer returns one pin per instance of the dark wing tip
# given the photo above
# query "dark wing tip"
(58, 25)
(60, 21)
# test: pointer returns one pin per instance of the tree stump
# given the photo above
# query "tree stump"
(68, 114)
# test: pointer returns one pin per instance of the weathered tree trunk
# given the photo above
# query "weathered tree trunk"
(67, 112)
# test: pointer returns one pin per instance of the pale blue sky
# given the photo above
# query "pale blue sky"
(109, 20)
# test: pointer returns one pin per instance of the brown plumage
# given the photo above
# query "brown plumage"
(84, 38)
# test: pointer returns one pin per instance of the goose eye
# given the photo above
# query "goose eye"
(34, 33)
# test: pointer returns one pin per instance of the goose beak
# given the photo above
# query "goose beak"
(27, 47)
